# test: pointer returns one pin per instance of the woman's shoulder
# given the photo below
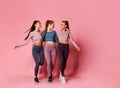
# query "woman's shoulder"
(42, 33)
(32, 33)
(54, 31)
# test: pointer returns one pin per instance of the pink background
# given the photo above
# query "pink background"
(95, 28)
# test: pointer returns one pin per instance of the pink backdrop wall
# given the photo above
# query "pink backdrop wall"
(95, 28)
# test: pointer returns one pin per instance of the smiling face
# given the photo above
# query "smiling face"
(63, 25)
(51, 26)
(38, 25)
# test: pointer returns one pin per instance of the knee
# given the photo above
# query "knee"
(49, 65)
(61, 61)
(37, 64)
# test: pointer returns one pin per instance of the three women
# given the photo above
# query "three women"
(50, 37)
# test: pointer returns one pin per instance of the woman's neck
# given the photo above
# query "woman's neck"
(36, 29)
(49, 30)
(64, 29)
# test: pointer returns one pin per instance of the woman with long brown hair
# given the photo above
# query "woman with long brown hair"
(50, 38)
(63, 47)
(37, 50)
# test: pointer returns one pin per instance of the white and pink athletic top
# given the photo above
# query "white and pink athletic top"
(35, 36)
(66, 35)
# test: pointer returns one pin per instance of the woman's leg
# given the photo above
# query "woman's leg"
(49, 62)
(48, 59)
(35, 56)
(61, 57)
(65, 54)
(63, 51)
(41, 55)
(53, 55)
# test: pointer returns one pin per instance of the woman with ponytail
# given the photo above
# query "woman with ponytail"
(50, 38)
(37, 50)
(63, 47)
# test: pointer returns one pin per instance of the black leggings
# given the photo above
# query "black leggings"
(38, 52)
(63, 52)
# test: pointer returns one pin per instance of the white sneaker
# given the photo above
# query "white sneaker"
(60, 75)
(63, 80)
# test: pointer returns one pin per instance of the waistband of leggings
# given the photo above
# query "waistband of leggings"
(37, 46)
(62, 44)
(46, 44)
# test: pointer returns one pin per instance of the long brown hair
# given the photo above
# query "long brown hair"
(67, 24)
(32, 28)
(46, 26)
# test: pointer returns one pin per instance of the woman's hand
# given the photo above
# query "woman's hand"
(16, 46)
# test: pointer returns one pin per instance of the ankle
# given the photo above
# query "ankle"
(36, 79)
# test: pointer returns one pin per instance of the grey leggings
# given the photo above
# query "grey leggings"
(38, 55)
(50, 55)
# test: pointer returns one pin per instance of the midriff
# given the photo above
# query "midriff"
(50, 42)
(64, 41)
(37, 44)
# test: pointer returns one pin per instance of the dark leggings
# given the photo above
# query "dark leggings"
(63, 52)
(38, 55)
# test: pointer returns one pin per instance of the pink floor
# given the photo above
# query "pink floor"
(18, 72)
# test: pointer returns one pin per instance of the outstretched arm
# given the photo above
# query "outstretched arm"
(73, 42)
(25, 42)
